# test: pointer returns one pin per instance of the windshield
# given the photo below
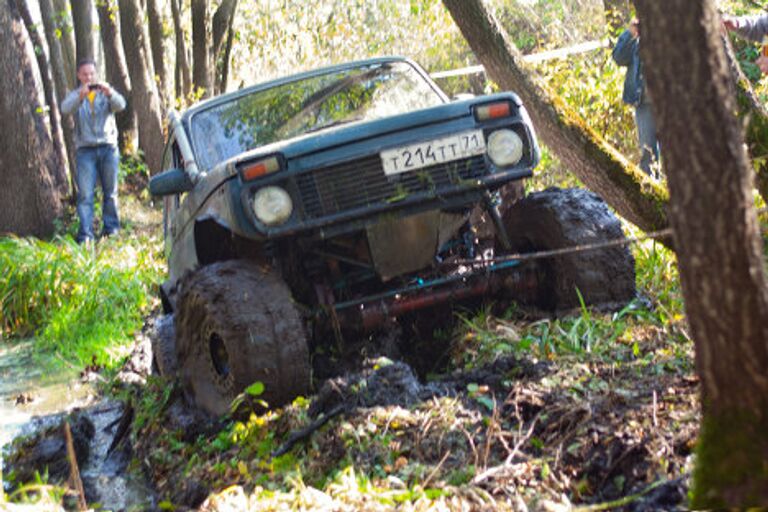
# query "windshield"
(311, 104)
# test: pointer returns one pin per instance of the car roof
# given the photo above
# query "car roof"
(227, 97)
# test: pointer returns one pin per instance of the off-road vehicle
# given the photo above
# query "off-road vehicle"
(338, 199)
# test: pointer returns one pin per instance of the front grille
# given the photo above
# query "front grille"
(363, 183)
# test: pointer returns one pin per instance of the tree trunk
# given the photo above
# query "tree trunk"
(61, 84)
(201, 76)
(223, 21)
(82, 20)
(183, 75)
(157, 44)
(29, 170)
(117, 72)
(755, 118)
(67, 41)
(226, 58)
(604, 170)
(616, 14)
(144, 95)
(718, 244)
(54, 116)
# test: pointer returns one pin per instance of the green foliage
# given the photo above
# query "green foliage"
(78, 302)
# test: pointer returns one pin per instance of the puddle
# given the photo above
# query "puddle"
(27, 392)
(32, 399)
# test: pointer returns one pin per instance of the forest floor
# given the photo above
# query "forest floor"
(516, 433)
(506, 411)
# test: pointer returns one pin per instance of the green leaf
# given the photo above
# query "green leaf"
(255, 389)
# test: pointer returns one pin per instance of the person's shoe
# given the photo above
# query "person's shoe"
(109, 233)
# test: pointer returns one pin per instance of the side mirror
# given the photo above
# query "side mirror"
(170, 182)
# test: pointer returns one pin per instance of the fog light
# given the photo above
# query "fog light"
(505, 148)
(272, 205)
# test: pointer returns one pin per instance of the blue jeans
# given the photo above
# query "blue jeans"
(97, 162)
(646, 132)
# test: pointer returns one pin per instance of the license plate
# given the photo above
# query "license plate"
(437, 151)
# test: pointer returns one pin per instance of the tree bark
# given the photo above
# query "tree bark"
(603, 169)
(226, 58)
(82, 20)
(718, 243)
(117, 72)
(223, 21)
(157, 44)
(61, 84)
(755, 118)
(29, 170)
(144, 95)
(54, 116)
(201, 71)
(183, 74)
(67, 40)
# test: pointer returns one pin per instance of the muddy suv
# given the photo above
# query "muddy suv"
(337, 200)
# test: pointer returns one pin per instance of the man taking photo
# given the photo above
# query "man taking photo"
(93, 106)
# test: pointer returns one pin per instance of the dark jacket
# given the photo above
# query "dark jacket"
(627, 53)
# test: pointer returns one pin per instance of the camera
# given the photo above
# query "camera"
(93, 87)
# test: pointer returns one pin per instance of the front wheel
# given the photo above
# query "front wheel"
(563, 218)
(236, 324)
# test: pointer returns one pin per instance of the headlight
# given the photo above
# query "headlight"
(505, 148)
(272, 205)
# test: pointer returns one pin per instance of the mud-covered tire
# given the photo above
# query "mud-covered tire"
(236, 324)
(559, 218)
(163, 338)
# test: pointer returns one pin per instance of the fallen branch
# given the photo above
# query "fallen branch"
(74, 472)
(307, 431)
(610, 505)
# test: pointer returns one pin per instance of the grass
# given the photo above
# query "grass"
(81, 304)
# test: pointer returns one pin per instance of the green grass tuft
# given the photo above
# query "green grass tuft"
(79, 303)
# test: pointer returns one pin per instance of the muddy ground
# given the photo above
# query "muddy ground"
(516, 434)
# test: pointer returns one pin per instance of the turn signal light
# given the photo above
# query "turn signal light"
(493, 111)
(253, 170)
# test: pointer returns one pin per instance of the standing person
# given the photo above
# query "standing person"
(627, 53)
(93, 106)
(754, 28)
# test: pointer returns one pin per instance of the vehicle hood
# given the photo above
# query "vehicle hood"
(336, 136)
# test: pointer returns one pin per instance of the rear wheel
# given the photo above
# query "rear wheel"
(236, 324)
(561, 218)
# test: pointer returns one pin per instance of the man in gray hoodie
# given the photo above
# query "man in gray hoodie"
(93, 106)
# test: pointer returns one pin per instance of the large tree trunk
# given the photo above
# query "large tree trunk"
(201, 72)
(67, 40)
(54, 116)
(157, 44)
(29, 167)
(183, 75)
(604, 170)
(82, 20)
(117, 72)
(144, 95)
(718, 244)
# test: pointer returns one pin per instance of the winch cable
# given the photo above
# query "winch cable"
(529, 256)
